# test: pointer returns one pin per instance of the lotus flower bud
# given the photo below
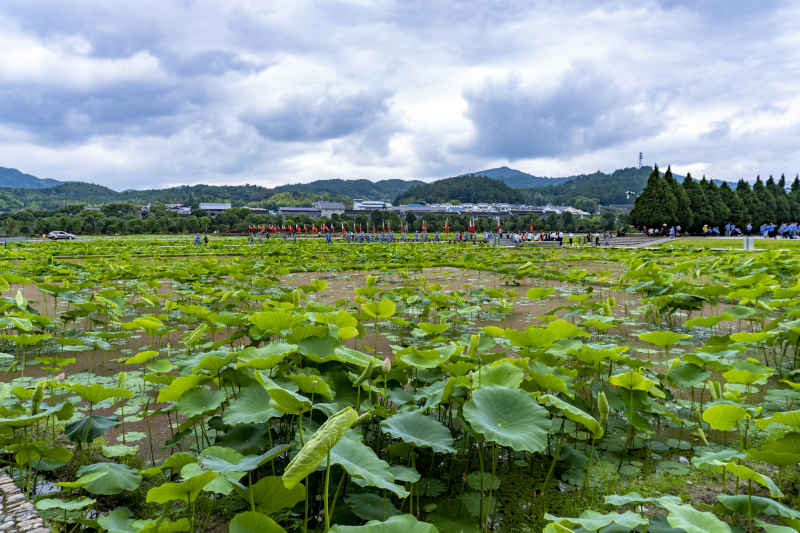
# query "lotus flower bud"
(602, 406)
(387, 364)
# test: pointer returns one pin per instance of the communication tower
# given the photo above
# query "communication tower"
(641, 156)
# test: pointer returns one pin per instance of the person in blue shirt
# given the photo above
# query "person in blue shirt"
(749, 228)
(198, 239)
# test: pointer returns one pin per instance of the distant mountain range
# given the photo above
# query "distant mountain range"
(516, 179)
(13, 178)
(19, 190)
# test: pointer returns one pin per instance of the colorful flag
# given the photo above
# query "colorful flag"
(447, 225)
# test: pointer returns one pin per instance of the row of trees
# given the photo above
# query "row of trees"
(694, 204)
(126, 219)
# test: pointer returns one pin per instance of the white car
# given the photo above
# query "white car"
(57, 235)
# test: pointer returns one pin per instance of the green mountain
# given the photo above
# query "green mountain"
(517, 179)
(359, 188)
(13, 178)
(464, 189)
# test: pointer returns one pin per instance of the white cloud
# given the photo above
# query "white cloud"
(168, 92)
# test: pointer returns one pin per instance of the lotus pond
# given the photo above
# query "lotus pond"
(152, 385)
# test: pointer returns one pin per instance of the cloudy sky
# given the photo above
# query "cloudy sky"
(154, 93)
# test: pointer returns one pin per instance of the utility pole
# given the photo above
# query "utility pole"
(641, 156)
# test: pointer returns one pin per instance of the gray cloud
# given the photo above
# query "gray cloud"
(586, 111)
(318, 118)
(174, 91)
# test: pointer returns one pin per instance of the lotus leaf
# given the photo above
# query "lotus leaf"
(509, 417)
(420, 430)
(117, 478)
(254, 522)
(724, 416)
(397, 524)
(252, 406)
(691, 520)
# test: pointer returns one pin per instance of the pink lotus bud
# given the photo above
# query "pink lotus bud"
(387, 364)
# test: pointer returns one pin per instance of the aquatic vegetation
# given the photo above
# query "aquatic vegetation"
(154, 386)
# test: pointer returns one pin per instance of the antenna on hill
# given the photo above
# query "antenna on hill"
(641, 156)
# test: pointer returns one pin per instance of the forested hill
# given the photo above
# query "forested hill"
(13, 178)
(358, 188)
(466, 189)
(614, 188)
(517, 179)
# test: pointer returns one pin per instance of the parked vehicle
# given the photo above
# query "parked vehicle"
(58, 235)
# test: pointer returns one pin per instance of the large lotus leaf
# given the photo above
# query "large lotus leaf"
(65, 505)
(368, 506)
(141, 357)
(253, 522)
(632, 381)
(283, 399)
(634, 498)
(758, 504)
(708, 321)
(62, 411)
(265, 357)
(687, 375)
(716, 460)
(82, 481)
(509, 417)
(503, 373)
(747, 474)
(220, 485)
(89, 428)
(188, 488)
(573, 413)
(311, 384)
(275, 321)
(252, 406)
(405, 473)
(789, 418)
(433, 329)
(366, 468)
(772, 528)
(96, 393)
(663, 338)
(724, 416)
(380, 309)
(179, 386)
(561, 329)
(271, 496)
(745, 377)
(199, 400)
(420, 430)
(594, 521)
(225, 460)
(784, 451)
(693, 521)
(537, 293)
(246, 438)
(555, 527)
(117, 478)
(430, 358)
(318, 446)
(397, 524)
(752, 337)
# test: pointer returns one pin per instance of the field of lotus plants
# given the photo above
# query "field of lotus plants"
(150, 385)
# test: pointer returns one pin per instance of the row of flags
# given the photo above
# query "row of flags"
(385, 228)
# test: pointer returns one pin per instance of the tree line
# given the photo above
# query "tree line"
(694, 204)
(127, 219)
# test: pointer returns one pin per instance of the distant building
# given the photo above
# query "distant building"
(213, 208)
(327, 209)
(370, 205)
(181, 209)
(258, 210)
(312, 212)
